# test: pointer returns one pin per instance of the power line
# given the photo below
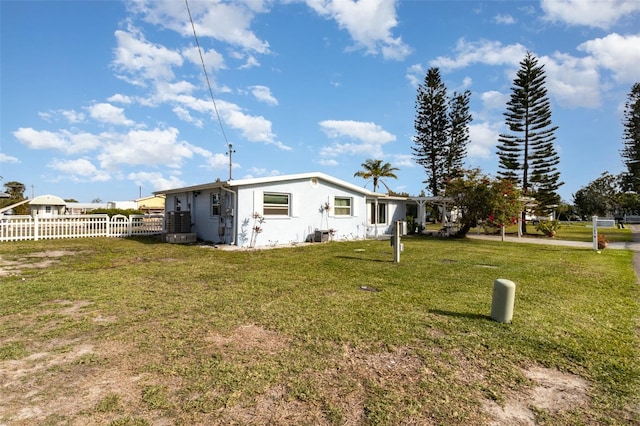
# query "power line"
(206, 75)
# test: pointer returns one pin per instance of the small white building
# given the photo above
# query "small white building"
(285, 209)
(47, 206)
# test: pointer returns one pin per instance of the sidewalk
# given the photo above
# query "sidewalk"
(634, 245)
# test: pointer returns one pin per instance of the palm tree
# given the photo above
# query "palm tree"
(374, 170)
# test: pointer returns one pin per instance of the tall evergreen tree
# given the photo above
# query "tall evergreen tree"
(527, 154)
(431, 129)
(442, 131)
(458, 132)
(631, 139)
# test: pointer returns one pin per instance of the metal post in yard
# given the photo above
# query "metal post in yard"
(397, 231)
(595, 232)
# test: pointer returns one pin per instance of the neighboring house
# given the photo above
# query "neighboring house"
(153, 204)
(84, 208)
(295, 208)
(47, 206)
(122, 205)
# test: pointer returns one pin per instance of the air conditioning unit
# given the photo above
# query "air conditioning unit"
(178, 222)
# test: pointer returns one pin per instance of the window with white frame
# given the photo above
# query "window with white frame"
(215, 204)
(381, 217)
(342, 206)
(275, 204)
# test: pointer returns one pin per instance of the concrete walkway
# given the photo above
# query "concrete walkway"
(633, 245)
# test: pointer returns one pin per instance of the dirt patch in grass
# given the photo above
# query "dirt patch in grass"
(553, 394)
(31, 261)
(249, 337)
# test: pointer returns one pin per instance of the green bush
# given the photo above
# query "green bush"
(548, 227)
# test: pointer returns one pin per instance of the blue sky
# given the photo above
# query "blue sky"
(109, 100)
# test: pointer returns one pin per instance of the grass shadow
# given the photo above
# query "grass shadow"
(460, 314)
(364, 258)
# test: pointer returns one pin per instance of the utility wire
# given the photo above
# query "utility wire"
(206, 75)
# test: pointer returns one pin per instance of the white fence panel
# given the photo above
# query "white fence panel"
(147, 225)
(119, 226)
(14, 228)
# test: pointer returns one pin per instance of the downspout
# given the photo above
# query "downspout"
(233, 217)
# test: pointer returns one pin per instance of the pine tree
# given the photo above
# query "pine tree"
(631, 139)
(458, 132)
(527, 155)
(442, 131)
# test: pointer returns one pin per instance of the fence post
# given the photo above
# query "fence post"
(36, 224)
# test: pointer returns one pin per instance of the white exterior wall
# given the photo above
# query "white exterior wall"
(396, 210)
(306, 198)
(46, 211)
(210, 227)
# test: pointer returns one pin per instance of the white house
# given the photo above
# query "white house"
(287, 209)
(47, 206)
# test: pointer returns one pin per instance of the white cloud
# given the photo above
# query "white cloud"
(219, 161)
(370, 24)
(360, 130)
(107, 113)
(403, 160)
(120, 99)
(63, 140)
(415, 74)
(79, 170)
(156, 180)
(4, 158)
(571, 81)
(369, 136)
(213, 60)
(226, 22)
(253, 128)
(592, 13)
(617, 53)
(329, 162)
(504, 19)
(184, 115)
(158, 147)
(494, 100)
(72, 116)
(251, 62)
(481, 52)
(484, 137)
(141, 60)
(263, 94)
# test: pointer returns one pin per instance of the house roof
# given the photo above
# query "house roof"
(47, 200)
(272, 179)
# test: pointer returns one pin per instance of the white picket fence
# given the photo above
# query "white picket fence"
(16, 228)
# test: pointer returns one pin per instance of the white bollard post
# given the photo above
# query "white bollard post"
(504, 293)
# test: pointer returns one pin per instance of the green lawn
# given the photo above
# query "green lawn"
(134, 332)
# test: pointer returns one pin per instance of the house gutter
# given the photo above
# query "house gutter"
(235, 211)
